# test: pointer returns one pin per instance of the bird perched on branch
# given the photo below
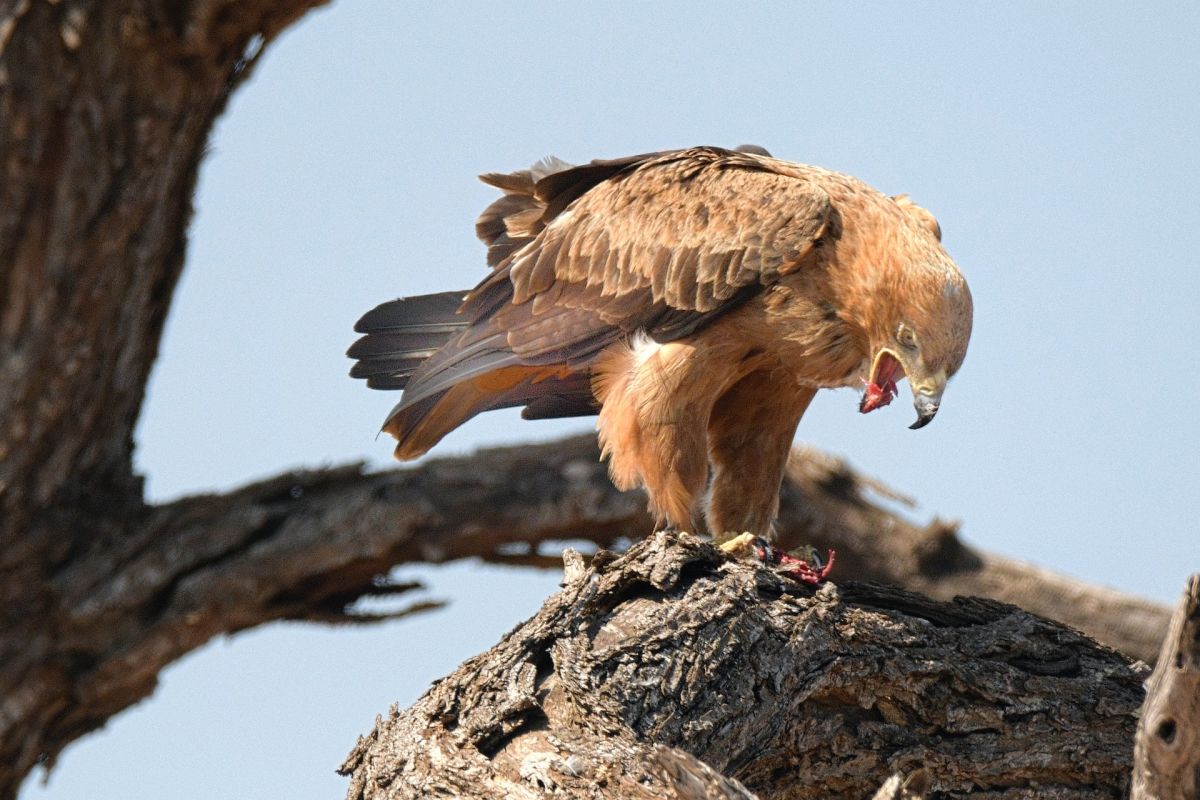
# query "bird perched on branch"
(696, 300)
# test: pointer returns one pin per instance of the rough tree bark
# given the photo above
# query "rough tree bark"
(105, 112)
(307, 545)
(674, 671)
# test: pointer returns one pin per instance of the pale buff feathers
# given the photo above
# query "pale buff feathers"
(922, 215)
(647, 392)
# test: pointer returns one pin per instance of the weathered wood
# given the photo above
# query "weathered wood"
(1167, 750)
(899, 787)
(307, 545)
(791, 692)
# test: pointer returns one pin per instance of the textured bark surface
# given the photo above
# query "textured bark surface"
(105, 111)
(674, 653)
(1167, 754)
(307, 545)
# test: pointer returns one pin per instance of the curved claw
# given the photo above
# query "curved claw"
(799, 568)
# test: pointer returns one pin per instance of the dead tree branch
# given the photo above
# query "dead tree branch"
(308, 545)
(674, 654)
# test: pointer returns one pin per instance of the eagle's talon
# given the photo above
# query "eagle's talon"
(742, 544)
(811, 570)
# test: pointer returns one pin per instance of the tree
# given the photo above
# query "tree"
(105, 113)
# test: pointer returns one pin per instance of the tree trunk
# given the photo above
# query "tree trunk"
(105, 111)
(675, 671)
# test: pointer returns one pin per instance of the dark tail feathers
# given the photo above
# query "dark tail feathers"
(400, 334)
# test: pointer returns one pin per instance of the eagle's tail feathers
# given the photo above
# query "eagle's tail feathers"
(401, 334)
(553, 391)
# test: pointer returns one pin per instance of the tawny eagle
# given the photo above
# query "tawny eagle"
(694, 299)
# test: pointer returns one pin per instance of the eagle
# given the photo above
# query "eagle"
(695, 300)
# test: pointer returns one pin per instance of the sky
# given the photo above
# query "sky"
(1056, 143)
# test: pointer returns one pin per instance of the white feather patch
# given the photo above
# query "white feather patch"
(644, 348)
(548, 165)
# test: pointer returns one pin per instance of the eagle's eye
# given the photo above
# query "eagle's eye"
(906, 337)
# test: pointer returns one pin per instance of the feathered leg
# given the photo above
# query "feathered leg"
(748, 448)
(656, 402)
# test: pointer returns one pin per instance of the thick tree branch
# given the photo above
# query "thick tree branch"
(307, 545)
(674, 654)
(105, 112)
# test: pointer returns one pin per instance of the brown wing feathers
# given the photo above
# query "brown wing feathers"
(583, 256)
(533, 197)
(691, 227)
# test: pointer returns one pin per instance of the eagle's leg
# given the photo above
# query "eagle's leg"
(670, 465)
(652, 428)
(749, 437)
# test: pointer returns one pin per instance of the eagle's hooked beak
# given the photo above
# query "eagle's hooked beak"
(927, 397)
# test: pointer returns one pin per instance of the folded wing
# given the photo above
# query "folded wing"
(583, 256)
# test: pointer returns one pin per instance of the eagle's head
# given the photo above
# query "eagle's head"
(923, 337)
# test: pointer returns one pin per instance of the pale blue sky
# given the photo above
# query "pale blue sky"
(1057, 146)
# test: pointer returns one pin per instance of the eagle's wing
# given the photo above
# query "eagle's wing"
(661, 243)
(534, 196)
(692, 228)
